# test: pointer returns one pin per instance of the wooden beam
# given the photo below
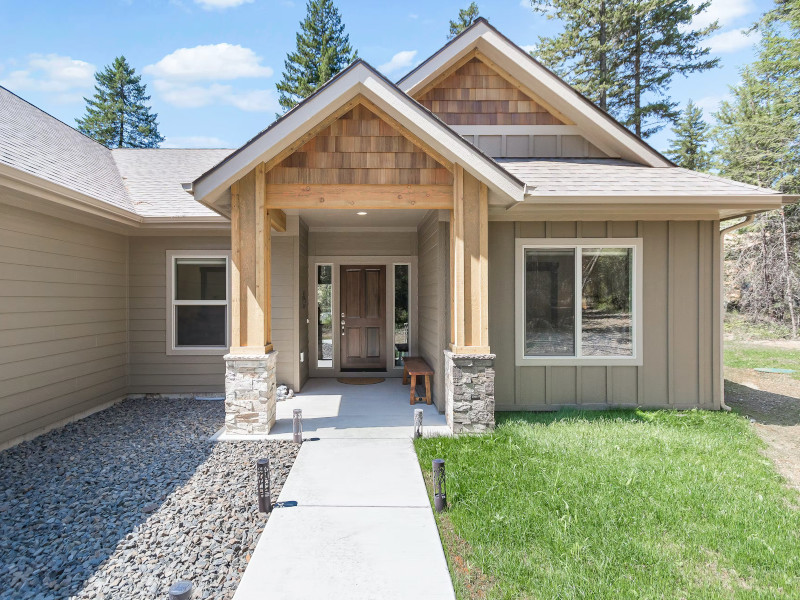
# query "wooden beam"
(469, 253)
(277, 219)
(251, 272)
(355, 196)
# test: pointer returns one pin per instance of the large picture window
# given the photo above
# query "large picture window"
(198, 294)
(578, 301)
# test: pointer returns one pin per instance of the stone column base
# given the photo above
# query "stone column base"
(250, 393)
(469, 392)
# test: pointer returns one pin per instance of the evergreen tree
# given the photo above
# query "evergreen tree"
(466, 17)
(757, 140)
(323, 49)
(659, 44)
(623, 54)
(117, 115)
(688, 148)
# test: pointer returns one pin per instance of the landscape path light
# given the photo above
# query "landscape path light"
(439, 485)
(417, 423)
(297, 425)
(264, 494)
(180, 590)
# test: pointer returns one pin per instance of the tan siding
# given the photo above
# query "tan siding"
(63, 322)
(433, 297)
(151, 369)
(368, 243)
(302, 305)
(681, 313)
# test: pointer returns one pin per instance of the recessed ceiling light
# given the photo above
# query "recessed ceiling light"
(361, 213)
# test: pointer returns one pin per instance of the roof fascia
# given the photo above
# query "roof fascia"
(598, 127)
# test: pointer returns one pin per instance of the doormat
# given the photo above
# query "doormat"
(360, 380)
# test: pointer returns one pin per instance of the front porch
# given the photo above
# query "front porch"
(333, 410)
(353, 246)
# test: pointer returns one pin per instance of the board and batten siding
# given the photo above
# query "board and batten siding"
(681, 321)
(152, 371)
(63, 320)
(434, 297)
(304, 298)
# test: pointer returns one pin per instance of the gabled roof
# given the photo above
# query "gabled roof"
(153, 178)
(36, 143)
(596, 125)
(357, 79)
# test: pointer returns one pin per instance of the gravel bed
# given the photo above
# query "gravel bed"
(129, 500)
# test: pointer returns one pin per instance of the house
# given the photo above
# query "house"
(480, 213)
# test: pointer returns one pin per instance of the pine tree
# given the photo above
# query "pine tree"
(757, 140)
(623, 54)
(466, 17)
(659, 44)
(323, 49)
(586, 53)
(117, 115)
(688, 148)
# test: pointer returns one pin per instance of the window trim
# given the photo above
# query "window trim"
(171, 348)
(578, 244)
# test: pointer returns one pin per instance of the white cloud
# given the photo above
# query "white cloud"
(66, 77)
(221, 4)
(214, 61)
(710, 104)
(530, 48)
(401, 60)
(413, 16)
(195, 141)
(185, 95)
(525, 3)
(733, 40)
(724, 11)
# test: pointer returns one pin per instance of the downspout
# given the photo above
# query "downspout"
(747, 221)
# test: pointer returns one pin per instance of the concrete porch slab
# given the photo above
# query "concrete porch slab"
(337, 410)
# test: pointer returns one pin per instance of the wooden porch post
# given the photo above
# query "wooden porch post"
(251, 269)
(469, 266)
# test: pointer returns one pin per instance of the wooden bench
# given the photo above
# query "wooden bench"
(414, 366)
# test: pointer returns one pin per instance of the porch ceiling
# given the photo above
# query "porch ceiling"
(320, 218)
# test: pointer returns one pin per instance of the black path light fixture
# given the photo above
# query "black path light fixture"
(297, 425)
(181, 590)
(439, 485)
(264, 493)
(417, 423)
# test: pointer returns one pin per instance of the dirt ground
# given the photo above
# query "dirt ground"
(772, 401)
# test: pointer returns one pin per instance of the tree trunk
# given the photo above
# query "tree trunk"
(603, 59)
(787, 265)
(637, 75)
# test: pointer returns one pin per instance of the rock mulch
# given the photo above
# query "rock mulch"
(125, 502)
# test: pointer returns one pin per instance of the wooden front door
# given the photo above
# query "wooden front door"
(363, 317)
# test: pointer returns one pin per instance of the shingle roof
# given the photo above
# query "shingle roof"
(37, 143)
(153, 179)
(615, 177)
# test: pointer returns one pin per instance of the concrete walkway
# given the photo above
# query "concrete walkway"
(353, 520)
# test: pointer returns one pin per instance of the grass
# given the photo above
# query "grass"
(743, 356)
(618, 504)
(742, 327)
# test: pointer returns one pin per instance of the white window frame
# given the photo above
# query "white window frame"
(172, 348)
(578, 244)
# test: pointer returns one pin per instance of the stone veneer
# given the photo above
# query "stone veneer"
(469, 392)
(250, 393)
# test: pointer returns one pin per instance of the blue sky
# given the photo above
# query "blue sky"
(211, 65)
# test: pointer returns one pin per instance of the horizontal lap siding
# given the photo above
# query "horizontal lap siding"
(151, 369)
(433, 297)
(681, 307)
(63, 320)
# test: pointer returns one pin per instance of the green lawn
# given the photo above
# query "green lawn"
(744, 356)
(620, 504)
